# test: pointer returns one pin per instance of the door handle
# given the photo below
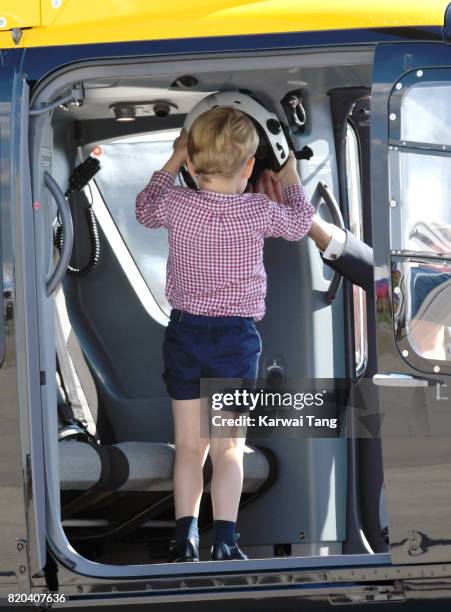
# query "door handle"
(394, 379)
(322, 192)
(68, 229)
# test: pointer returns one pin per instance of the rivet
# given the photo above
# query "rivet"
(3, 22)
(57, 3)
(436, 368)
(405, 353)
(393, 203)
(398, 85)
(392, 116)
(419, 73)
(396, 290)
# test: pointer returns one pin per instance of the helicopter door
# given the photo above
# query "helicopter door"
(411, 195)
(30, 379)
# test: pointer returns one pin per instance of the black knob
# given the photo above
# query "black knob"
(273, 126)
(304, 153)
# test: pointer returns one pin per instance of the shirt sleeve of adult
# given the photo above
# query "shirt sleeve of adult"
(152, 203)
(336, 244)
(292, 219)
(356, 262)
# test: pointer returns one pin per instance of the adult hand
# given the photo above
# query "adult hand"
(288, 174)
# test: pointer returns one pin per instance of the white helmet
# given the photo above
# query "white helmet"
(273, 141)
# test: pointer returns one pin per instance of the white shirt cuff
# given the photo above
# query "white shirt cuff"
(336, 245)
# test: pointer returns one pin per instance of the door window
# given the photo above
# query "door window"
(353, 181)
(420, 213)
(127, 165)
(423, 184)
(426, 112)
(422, 298)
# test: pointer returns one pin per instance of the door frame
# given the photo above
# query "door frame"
(415, 537)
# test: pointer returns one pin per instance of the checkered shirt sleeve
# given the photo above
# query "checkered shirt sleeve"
(153, 201)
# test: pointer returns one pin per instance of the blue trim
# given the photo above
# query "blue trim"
(42, 60)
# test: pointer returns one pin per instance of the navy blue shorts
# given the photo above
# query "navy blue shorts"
(199, 346)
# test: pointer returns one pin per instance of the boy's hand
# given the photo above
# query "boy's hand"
(288, 175)
(179, 155)
(180, 147)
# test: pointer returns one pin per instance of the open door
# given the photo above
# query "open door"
(30, 378)
(411, 201)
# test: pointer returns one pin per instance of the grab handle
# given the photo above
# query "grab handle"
(395, 379)
(322, 192)
(68, 229)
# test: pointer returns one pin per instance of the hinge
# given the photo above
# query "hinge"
(16, 35)
(23, 579)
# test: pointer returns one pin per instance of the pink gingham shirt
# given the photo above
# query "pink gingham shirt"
(215, 264)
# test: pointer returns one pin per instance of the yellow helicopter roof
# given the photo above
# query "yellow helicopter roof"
(68, 22)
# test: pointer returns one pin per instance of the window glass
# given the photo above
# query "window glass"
(126, 167)
(423, 312)
(425, 191)
(420, 186)
(356, 226)
(426, 113)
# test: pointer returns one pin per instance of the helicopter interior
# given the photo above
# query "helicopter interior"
(305, 496)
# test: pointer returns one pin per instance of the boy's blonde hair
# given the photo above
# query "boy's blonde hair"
(220, 141)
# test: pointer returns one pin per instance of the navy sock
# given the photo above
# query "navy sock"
(186, 527)
(225, 532)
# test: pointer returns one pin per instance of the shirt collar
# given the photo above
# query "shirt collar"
(217, 200)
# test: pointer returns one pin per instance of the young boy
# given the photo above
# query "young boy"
(216, 285)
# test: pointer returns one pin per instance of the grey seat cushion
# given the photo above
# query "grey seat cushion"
(80, 465)
(150, 466)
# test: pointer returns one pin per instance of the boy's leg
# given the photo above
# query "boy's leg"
(227, 458)
(235, 356)
(191, 450)
(227, 482)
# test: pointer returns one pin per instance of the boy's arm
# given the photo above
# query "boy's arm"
(341, 250)
(293, 219)
(152, 203)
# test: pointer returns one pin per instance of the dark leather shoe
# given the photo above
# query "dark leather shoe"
(188, 552)
(221, 551)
